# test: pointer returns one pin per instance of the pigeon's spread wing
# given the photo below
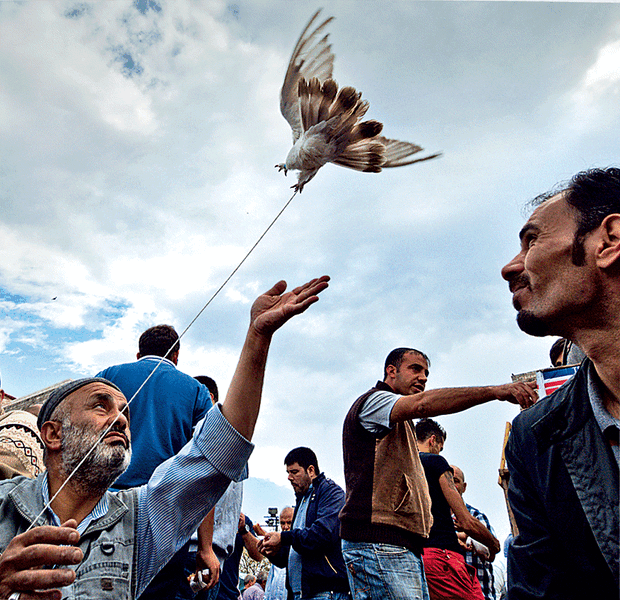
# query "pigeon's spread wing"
(397, 153)
(312, 58)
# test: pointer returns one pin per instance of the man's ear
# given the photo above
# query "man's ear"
(311, 471)
(390, 370)
(608, 248)
(51, 434)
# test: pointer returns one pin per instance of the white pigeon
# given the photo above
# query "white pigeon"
(326, 123)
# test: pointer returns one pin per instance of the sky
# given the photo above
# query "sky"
(137, 158)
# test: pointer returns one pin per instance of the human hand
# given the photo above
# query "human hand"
(206, 559)
(521, 393)
(275, 307)
(271, 543)
(24, 565)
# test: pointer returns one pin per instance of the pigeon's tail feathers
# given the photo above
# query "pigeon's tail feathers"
(329, 91)
(364, 155)
(347, 99)
(397, 153)
(315, 100)
(366, 129)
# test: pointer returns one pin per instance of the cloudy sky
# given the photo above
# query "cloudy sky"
(136, 170)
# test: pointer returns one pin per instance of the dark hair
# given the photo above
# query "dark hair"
(210, 384)
(395, 358)
(558, 350)
(424, 428)
(304, 457)
(593, 194)
(160, 340)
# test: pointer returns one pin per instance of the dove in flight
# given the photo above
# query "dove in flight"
(326, 122)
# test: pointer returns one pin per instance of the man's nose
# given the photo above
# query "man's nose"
(122, 423)
(513, 268)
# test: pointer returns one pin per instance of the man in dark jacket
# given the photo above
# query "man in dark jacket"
(311, 549)
(563, 453)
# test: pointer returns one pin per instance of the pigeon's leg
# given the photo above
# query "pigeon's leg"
(282, 167)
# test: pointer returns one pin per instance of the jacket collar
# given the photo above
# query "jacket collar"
(28, 499)
(565, 412)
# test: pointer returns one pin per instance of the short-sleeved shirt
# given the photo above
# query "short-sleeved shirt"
(443, 534)
(375, 414)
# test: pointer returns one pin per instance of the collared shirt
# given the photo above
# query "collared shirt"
(610, 426)
(294, 558)
(484, 569)
(167, 510)
(100, 509)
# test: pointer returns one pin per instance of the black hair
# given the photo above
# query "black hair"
(160, 340)
(424, 428)
(304, 457)
(210, 384)
(395, 358)
(592, 194)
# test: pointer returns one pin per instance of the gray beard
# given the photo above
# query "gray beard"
(103, 465)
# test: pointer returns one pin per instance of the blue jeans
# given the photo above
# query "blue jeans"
(383, 571)
(324, 596)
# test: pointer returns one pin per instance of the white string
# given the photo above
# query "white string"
(125, 408)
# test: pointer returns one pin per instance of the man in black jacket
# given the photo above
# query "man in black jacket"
(311, 549)
(563, 453)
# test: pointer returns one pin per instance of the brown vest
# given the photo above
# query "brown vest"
(387, 498)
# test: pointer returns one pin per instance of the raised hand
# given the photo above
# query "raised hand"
(275, 307)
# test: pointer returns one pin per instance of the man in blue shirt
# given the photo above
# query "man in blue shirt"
(66, 517)
(166, 405)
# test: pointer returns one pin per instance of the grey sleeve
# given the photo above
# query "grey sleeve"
(375, 414)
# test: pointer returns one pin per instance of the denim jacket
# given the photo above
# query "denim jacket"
(106, 572)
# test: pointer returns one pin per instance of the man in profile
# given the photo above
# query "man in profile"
(386, 518)
(563, 453)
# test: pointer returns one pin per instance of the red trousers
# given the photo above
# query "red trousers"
(449, 577)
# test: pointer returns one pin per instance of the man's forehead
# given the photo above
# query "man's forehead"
(97, 388)
(548, 213)
(415, 358)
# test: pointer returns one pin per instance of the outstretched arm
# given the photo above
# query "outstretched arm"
(269, 312)
(451, 400)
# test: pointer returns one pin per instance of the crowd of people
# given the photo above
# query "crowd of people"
(144, 499)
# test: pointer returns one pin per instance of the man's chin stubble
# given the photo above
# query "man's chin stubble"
(531, 324)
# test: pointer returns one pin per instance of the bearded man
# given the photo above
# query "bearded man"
(119, 541)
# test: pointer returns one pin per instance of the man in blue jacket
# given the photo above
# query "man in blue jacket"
(563, 453)
(311, 549)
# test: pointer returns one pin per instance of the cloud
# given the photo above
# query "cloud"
(137, 171)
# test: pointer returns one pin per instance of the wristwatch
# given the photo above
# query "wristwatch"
(244, 529)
